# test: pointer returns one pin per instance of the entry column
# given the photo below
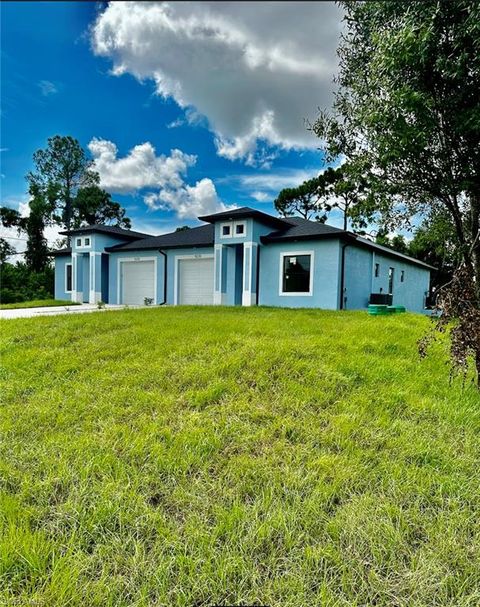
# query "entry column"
(250, 277)
(220, 274)
(95, 282)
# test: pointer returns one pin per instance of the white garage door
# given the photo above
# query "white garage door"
(195, 281)
(138, 281)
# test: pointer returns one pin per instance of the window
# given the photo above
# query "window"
(240, 229)
(226, 230)
(402, 276)
(79, 242)
(377, 270)
(296, 277)
(391, 273)
(68, 278)
(87, 242)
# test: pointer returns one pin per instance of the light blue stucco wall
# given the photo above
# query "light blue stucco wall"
(60, 278)
(360, 280)
(326, 264)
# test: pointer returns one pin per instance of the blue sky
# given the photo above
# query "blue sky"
(134, 81)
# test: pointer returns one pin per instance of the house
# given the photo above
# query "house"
(238, 257)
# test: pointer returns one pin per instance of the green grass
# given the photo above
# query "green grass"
(192, 457)
(38, 303)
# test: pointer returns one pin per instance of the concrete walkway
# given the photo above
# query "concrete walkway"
(52, 311)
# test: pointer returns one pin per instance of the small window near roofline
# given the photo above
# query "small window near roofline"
(240, 229)
(87, 242)
(79, 242)
(226, 230)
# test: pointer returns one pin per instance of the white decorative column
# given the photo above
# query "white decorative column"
(75, 273)
(219, 274)
(95, 278)
(250, 278)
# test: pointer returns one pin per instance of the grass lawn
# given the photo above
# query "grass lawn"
(193, 457)
(38, 303)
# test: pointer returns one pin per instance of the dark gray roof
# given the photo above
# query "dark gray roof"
(243, 213)
(387, 251)
(302, 229)
(57, 253)
(194, 237)
(113, 230)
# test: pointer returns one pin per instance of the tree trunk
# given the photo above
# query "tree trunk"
(475, 216)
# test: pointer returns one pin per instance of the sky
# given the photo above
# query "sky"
(186, 108)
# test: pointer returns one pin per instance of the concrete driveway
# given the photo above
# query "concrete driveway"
(52, 311)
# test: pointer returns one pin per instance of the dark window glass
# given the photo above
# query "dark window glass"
(87, 242)
(225, 230)
(79, 242)
(68, 269)
(391, 273)
(377, 270)
(240, 228)
(402, 276)
(296, 273)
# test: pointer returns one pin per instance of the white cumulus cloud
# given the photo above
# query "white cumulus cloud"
(141, 168)
(163, 176)
(189, 202)
(254, 70)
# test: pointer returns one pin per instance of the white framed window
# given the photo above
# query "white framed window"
(226, 230)
(83, 243)
(240, 228)
(296, 273)
(68, 278)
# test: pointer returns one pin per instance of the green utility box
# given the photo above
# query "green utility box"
(378, 310)
(397, 309)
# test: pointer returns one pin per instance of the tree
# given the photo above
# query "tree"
(41, 207)
(408, 103)
(6, 250)
(302, 200)
(346, 189)
(341, 188)
(92, 205)
(63, 168)
(435, 242)
(397, 242)
(182, 229)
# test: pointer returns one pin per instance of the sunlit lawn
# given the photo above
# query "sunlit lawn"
(227, 456)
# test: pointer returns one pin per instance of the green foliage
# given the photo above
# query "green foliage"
(234, 457)
(18, 283)
(92, 205)
(302, 200)
(342, 188)
(61, 170)
(6, 250)
(408, 107)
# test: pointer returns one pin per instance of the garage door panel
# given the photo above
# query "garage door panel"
(138, 281)
(195, 281)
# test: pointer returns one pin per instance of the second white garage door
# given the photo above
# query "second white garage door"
(138, 281)
(195, 281)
